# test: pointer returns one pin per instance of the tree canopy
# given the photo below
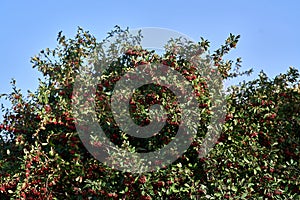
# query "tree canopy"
(42, 155)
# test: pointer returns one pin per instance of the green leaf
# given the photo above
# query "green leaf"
(244, 195)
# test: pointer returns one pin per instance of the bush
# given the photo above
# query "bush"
(42, 156)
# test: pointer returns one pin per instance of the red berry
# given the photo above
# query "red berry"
(142, 179)
(28, 165)
(277, 192)
(47, 108)
(35, 159)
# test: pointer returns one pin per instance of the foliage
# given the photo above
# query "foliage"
(257, 155)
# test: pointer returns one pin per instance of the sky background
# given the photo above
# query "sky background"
(269, 29)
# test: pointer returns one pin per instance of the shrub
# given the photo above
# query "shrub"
(42, 156)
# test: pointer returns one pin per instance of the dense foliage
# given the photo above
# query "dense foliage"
(257, 155)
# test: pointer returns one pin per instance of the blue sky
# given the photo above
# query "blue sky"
(269, 29)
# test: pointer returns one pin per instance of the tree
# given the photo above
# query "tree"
(45, 158)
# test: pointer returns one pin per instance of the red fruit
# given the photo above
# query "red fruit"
(283, 94)
(273, 116)
(112, 195)
(169, 182)
(99, 87)
(263, 167)
(143, 62)
(28, 165)
(254, 134)
(72, 145)
(47, 108)
(23, 194)
(91, 191)
(185, 72)
(8, 128)
(280, 140)
(229, 116)
(114, 136)
(160, 183)
(90, 99)
(142, 179)
(70, 119)
(35, 159)
(27, 174)
(109, 194)
(268, 195)
(2, 189)
(194, 144)
(146, 198)
(106, 84)
(129, 52)
(204, 105)
(164, 62)
(277, 192)
(288, 153)
(197, 94)
(72, 127)
(72, 152)
(229, 164)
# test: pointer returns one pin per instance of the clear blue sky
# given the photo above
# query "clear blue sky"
(269, 29)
